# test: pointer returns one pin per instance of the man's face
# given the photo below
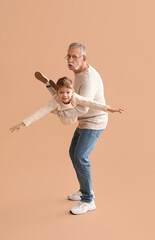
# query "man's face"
(74, 59)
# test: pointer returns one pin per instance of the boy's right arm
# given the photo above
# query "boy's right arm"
(39, 114)
(17, 127)
(36, 116)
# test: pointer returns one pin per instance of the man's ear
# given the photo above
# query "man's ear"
(84, 58)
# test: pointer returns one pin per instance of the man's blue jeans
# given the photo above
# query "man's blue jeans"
(83, 142)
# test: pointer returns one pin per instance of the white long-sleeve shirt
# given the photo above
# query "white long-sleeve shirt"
(56, 104)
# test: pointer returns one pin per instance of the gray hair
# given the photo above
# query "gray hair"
(75, 45)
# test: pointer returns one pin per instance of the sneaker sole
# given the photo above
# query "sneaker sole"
(43, 79)
(40, 77)
(79, 199)
(82, 213)
(52, 83)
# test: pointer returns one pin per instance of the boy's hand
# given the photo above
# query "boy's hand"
(112, 110)
(17, 127)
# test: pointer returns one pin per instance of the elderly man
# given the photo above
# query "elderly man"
(87, 83)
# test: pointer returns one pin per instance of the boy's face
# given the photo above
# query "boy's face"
(65, 94)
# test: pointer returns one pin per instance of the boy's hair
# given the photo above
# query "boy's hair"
(64, 82)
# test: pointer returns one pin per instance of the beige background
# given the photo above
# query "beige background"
(35, 170)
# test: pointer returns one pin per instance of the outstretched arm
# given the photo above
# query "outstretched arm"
(17, 127)
(112, 110)
(35, 116)
(95, 105)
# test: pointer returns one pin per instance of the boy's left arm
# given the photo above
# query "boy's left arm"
(82, 101)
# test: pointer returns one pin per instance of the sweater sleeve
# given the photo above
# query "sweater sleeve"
(41, 112)
(82, 101)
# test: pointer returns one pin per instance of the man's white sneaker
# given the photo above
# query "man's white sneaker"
(83, 207)
(77, 196)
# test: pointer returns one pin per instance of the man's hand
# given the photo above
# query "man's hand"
(112, 110)
(17, 127)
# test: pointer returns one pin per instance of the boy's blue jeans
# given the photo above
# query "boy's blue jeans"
(83, 142)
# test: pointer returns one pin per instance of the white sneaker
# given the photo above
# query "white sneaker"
(83, 207)
(77, 196)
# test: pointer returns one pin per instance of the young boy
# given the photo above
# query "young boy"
(64, 99)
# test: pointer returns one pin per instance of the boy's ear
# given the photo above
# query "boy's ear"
(73, 90)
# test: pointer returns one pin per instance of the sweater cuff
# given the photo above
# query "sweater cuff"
(26, 123)
(107, 106)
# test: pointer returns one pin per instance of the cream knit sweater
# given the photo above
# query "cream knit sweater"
(56, 104)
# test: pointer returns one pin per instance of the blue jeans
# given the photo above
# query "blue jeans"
(83, 143)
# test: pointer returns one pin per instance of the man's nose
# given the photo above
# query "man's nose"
(70, 58)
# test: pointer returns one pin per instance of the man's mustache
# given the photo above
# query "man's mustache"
(76, 67)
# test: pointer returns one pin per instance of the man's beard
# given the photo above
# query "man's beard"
(76, 67)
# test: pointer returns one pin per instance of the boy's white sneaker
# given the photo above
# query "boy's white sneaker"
(77, 196)
(83, 207)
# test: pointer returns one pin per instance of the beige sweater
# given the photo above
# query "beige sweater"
(89, 85)
(56, 104)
